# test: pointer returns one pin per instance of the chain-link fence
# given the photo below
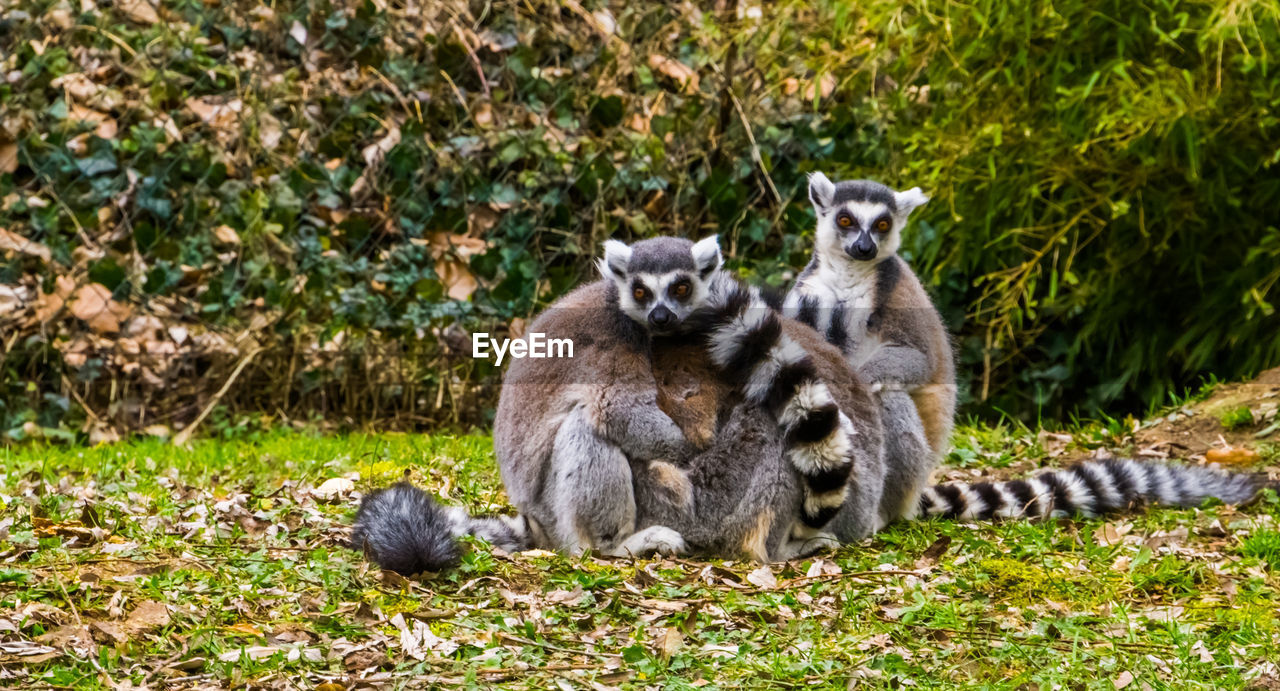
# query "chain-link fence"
(301, 211)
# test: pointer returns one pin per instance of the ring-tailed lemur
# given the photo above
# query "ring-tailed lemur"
(568, 432)
(869, 303)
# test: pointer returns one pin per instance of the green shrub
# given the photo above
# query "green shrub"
(301, 187)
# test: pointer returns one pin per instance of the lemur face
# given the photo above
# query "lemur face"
(860, 220)
(661, 281)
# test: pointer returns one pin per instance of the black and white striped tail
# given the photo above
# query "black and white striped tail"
(1089, 488)
(403, 529)
(747, 343)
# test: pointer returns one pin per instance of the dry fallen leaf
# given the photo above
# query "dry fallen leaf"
(8, 157)
(670, 641)
(675, 70)
(146, 616)
(109, 632)
(13, 242)
(1199, 649)
(484, 116)
(1231, 455)
(566, 597)
(244, 628)
(74, 636)
(12, 298)
(763, 578)
(49, 304)
(516, 328)
(479, 220)
(270, 131)
(139, 11)
(933, 553)
(262, 652)
(214, 113)
(824, 87)
(298, 32)
(419, 642)
(458, 281)
(93, 305)
(1108, 534)
(226, 235)
(1053, 444)
(442, 242)
(1123, 680)
(333, 488)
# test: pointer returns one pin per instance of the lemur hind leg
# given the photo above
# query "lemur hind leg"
(589, 489)
(909, 458)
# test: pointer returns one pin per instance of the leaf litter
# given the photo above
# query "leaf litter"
(223, 563)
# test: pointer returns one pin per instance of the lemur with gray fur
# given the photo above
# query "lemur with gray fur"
(573, 436)
(867, 302)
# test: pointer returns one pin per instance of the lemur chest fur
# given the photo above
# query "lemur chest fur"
(841, 303)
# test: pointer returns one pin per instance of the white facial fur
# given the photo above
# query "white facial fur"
(659, 285)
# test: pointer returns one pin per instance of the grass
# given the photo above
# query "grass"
(257, 590)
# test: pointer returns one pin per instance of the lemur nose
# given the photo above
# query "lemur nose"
(661, 316)
(861, 250)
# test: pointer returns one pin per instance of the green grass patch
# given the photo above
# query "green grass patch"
(250, 571)
(1236, 417)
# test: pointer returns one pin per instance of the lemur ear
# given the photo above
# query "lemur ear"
(614, 262)
(822, 192)
(909, 200)
(706, 255)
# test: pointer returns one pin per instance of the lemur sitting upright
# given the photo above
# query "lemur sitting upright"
(869, 303)
(568, 431)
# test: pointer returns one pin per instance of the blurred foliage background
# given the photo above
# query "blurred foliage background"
(302, 210)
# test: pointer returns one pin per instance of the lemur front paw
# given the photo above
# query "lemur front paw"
(700, 436)
(886, 385)
(656, 539)
(799, 547)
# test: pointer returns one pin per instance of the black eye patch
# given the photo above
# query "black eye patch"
(640, 292)
(680, 288)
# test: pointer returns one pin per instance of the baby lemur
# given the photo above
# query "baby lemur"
(568, 432)
(867, 302)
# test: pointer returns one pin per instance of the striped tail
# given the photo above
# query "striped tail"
(403, 529)
(1089, 488)
(747, 344)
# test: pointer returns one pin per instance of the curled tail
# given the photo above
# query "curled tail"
(403, 529)
(747, 344)
(1089, 488)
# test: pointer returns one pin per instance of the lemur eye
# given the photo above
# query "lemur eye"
(681, 289)
(640, 293)
(844, 220)
(882, 225)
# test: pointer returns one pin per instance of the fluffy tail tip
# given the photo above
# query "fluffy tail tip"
(403, 529)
